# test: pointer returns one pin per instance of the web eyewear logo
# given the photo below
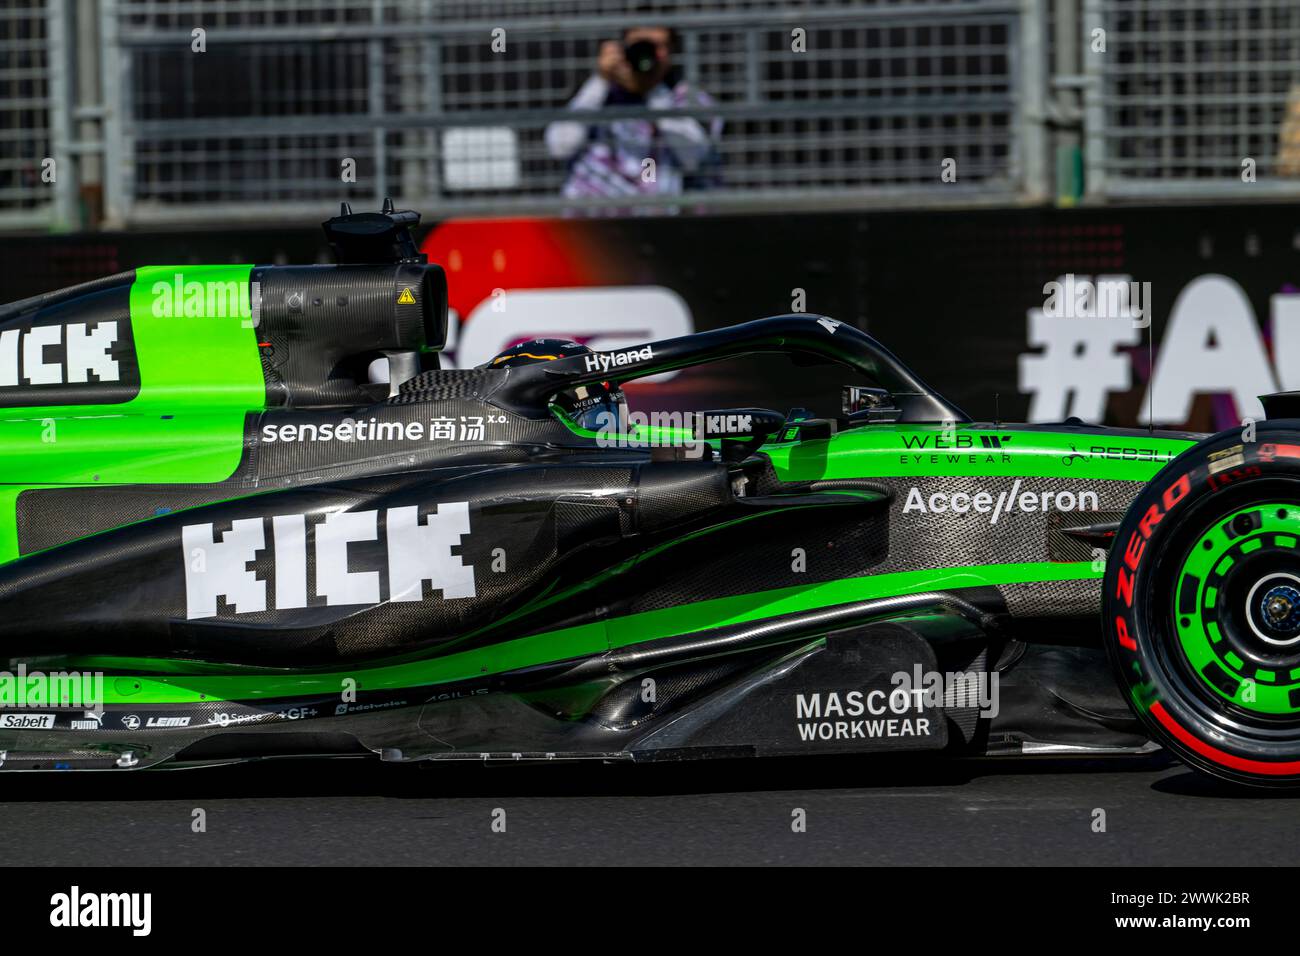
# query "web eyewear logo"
(1004, 503)
(24, 688)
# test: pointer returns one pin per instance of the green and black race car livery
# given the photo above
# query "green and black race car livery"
(220, 539)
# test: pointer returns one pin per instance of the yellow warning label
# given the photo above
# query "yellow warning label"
(406, 298)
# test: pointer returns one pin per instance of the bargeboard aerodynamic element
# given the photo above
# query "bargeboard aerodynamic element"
(220, 540)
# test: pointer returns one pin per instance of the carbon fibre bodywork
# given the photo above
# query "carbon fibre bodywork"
(247, 548)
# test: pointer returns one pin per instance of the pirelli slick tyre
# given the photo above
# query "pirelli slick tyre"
(1201, 606)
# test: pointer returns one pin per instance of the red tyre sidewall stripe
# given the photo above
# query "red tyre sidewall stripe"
(1218, 756)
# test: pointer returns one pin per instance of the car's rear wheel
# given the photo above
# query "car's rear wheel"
(1202, 606)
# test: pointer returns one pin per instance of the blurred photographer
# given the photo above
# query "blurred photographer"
(608, 158)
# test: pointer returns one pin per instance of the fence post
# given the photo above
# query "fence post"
(1094, 111)
(1031, 100)
(59, 104)
(115, 84)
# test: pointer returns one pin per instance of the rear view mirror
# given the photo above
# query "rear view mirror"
(862, 403)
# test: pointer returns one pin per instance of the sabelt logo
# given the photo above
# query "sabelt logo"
(26, 721)
(604, 361)
(416, 552)
(58, 354)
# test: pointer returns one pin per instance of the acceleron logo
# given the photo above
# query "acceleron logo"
(415, 551)
(995, 506)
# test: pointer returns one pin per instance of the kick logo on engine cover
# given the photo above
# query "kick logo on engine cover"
(415, 552)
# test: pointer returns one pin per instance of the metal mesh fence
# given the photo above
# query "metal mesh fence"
(825, 103)
(417, 99)
(25, 111)
(1190, 95)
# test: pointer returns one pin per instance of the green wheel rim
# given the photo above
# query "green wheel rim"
(1270, 531)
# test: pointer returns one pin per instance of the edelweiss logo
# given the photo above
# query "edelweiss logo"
(416, 553)
(341, 709)
(604, 361)
(81, 352)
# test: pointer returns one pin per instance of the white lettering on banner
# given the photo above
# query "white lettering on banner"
(1211, 344)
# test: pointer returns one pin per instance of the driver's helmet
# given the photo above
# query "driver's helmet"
(589, 406)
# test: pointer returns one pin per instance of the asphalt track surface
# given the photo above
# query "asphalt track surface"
(859, 810)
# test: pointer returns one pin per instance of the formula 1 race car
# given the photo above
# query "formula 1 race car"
(221, 538)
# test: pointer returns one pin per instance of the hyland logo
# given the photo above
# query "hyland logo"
(80, 350)
(1006, 502)
(604, 361)
(416, 552)
(76, 909)
(206, 299)
(953, 447)
(24, 688)
(859, 715)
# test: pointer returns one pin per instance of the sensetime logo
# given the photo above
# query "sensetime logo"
(1004, 503)
(75, 909)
